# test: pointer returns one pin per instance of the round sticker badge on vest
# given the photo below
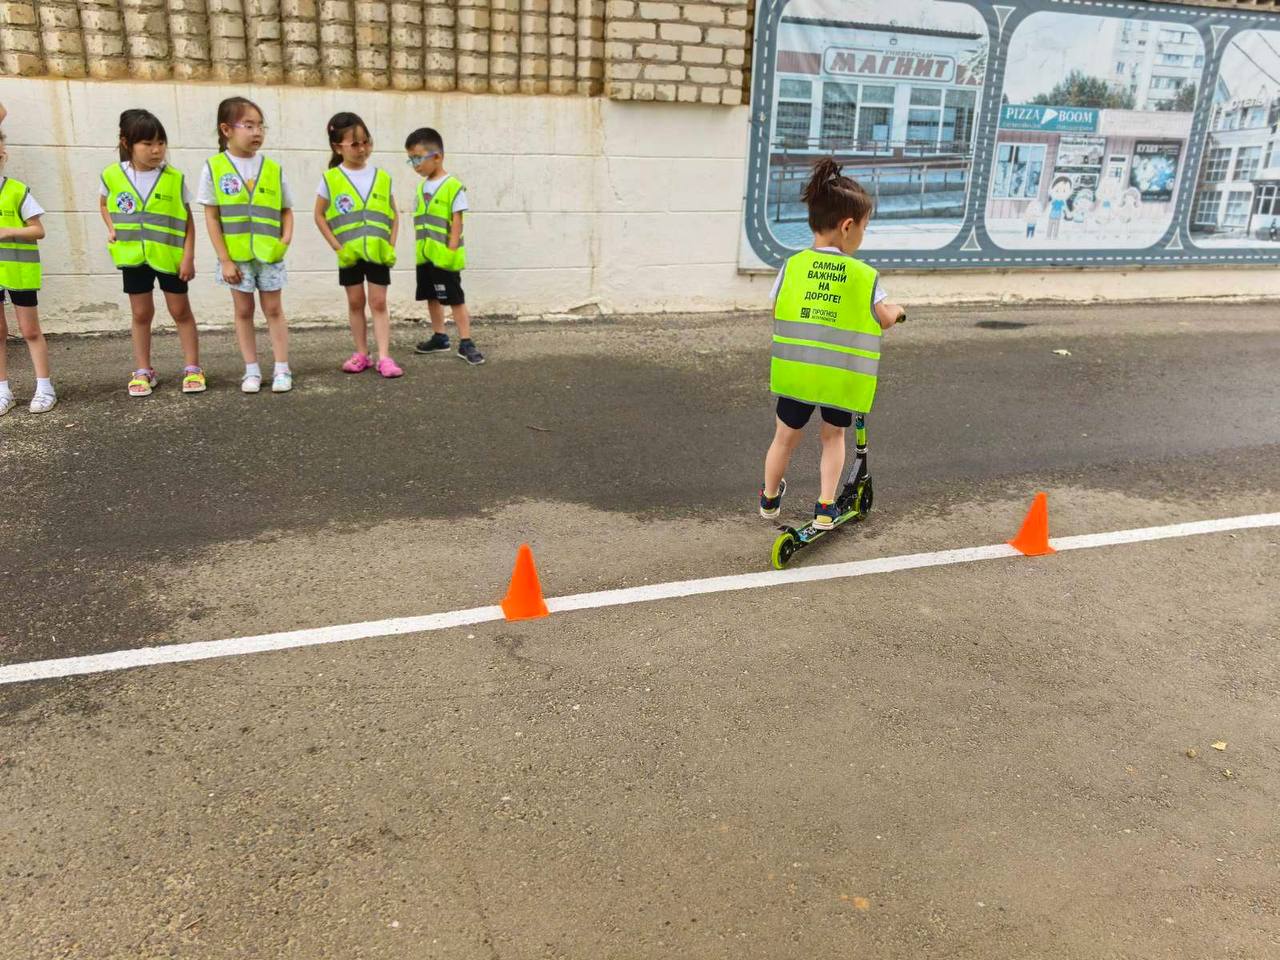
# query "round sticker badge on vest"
(344, 203)
(230, 184)
(126, 203)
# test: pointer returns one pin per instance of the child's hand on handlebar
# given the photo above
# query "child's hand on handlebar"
(889, 313)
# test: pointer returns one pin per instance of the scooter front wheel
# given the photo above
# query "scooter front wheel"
(783, 549)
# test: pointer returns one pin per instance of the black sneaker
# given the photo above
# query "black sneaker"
(438, 343)
(468, 352)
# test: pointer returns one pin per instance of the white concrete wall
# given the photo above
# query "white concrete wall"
(578, 204)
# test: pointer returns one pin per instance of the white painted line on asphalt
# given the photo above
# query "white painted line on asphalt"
(237, 646)
(208, 649)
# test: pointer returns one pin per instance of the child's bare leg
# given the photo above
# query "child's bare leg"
(832, 460)
(4, 336)
(785, 441)
(462, 320)
(179, 305)
(273, 309)
(143, 308)
(29, 324)
(355, 316)
(381, 319)
(435, 310)
(243, 308)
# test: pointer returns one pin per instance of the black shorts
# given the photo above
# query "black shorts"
(20, 298)
(443, 286)
(143, 278)
(362, 270)
(796, 414)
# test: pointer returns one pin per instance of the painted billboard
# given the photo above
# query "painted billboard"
(1026, 133)
(894, 94)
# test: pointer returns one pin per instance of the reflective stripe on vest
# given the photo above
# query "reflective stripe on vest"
(826, 340)
(432, 223)
(150, 229)
(362, 225)
(19, 260)
(251, 220)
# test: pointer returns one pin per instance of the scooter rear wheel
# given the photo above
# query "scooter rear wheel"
(865, 499)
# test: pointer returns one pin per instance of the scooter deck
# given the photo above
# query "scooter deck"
(811, 531)
(793, 539)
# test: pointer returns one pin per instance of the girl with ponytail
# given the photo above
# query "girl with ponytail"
(829, 314)
(356, 215)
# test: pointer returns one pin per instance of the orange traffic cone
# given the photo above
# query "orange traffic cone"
(1033, 538)
(524, 597)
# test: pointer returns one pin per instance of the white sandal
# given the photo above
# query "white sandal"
(43, 403)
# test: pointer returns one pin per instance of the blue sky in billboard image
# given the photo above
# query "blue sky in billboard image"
(894, 93)
(1046, 47)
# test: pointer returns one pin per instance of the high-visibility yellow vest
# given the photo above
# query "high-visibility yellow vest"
(362, 226)
(826, 340)
(19, 260)
(432, 223)
(150, 229)
(250, 219)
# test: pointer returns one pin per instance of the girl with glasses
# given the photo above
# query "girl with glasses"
(249, 213)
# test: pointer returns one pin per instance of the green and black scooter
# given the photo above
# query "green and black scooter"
(854, 501)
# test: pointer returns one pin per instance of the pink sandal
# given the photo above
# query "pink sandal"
(357, 363)
(388, 368)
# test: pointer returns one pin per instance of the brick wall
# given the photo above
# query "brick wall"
(628, 50)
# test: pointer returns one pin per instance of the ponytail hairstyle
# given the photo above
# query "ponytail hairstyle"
(339, 124)
(137, 125)
(231, 111)
(833, 198)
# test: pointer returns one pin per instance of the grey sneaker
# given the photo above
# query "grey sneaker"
(468, 352)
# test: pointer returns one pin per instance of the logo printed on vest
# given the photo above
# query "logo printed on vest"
(344, 203)
(126, 203)
(230, 184)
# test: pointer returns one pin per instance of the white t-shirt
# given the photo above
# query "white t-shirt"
(361, 179)
(30, 206)
(248, 168)
(429, 188)
(144, 181)
(878, 297)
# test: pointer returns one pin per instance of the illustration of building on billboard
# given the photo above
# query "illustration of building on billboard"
(1082, 176)
(896, 104)
(1092, 132)
(1237, 200)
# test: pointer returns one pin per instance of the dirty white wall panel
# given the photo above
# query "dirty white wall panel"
(577, 203)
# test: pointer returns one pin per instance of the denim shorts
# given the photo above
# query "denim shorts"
(256, 275)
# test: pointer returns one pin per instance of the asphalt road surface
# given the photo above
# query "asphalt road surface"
(1011, 759)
